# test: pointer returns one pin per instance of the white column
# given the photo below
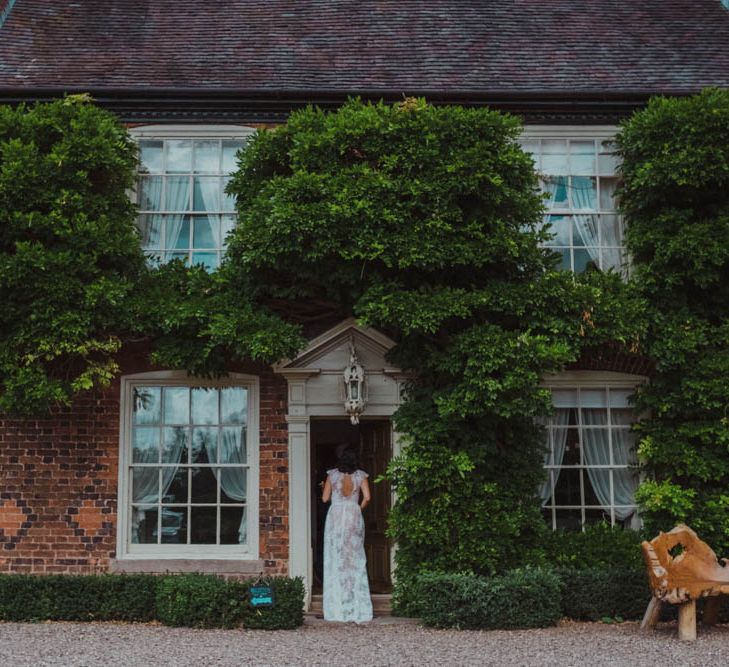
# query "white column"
(300, 556)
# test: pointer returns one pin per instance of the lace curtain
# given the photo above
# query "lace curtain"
(597, 453)
(232, 480)
(588, 225)
(177, 199)
(146, 487)
(555, 453)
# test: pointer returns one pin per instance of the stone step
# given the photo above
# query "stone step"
(381, 604)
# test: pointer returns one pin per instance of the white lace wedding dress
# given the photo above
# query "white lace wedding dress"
(346, 589)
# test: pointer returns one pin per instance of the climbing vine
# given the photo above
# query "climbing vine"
(675, 195)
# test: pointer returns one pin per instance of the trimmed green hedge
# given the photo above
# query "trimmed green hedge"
(77, 598)
(527, 598)
(590, 595)
(194, 600)
(202, 601)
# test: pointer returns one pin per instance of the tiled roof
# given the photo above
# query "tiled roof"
(587, 47)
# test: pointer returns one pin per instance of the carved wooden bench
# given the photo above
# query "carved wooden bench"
(683, 578)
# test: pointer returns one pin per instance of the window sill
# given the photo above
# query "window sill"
(185, 565)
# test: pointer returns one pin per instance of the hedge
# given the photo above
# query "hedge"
(202, 601)
(597, 593)
(78, 598)
(193, 600)
(525, 598)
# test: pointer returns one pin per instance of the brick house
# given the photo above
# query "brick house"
(165, 473)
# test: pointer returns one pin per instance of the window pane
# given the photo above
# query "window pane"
(145, 448)
(599, 487)
(607, 193)
(204, 445)
(179, 156)
(206, 196)
(228, 200)
(174, 525)
(622, 417)
(608, 164)
(150, 229)
(204, 486)
(611, 258)
(556, 189)
(582, 158)
(145, 485)
(146, 405)
(207, 156)
(144, 525)
(177, 232)
(178, 484)
(233, 526)
(584, 192)
(620, 398)
(227, 224)
(565, 262)
(564, 398)
(233, 405)
(569, 519)
(177, 405)
(205, 233)
(175, 444)
(150, 155)
(204, 405)
(593, 398)
(567, 491)
(207, 259)
(584, 260)
(559, 226)
(150, 193)
(203, 525)
(177, 197)
(233, 484)
(611, 232)
(554, 157)
(233, 445)
(230, 148)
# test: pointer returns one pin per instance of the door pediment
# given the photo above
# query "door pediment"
(330, 351)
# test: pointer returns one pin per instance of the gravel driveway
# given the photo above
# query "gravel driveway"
(381, 643)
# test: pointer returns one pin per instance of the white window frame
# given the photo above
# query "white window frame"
(125, 548)
(191, 132)
(581, 133)
(586, 380)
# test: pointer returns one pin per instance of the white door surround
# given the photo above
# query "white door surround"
(316, 389)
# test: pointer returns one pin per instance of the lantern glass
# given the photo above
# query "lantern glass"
(354, 390)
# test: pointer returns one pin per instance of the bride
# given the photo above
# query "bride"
(346, 589)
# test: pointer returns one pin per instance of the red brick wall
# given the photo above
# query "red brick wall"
(59, 478)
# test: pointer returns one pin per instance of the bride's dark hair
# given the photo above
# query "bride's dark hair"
(348, 461)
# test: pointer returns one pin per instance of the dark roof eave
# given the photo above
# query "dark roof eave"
(274, 105)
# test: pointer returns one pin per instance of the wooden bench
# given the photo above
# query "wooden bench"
(682, 578)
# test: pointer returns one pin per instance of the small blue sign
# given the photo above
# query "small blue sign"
(261, 596)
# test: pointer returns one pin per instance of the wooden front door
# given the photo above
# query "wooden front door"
(375, 455)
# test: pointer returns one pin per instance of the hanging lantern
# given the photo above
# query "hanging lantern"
(355, 387)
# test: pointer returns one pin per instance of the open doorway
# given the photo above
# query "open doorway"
(371, 439)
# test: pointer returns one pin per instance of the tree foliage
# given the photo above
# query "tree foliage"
(675, 195)
(69, 251)
(423, 221)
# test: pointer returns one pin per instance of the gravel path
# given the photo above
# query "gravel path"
(583, 644)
